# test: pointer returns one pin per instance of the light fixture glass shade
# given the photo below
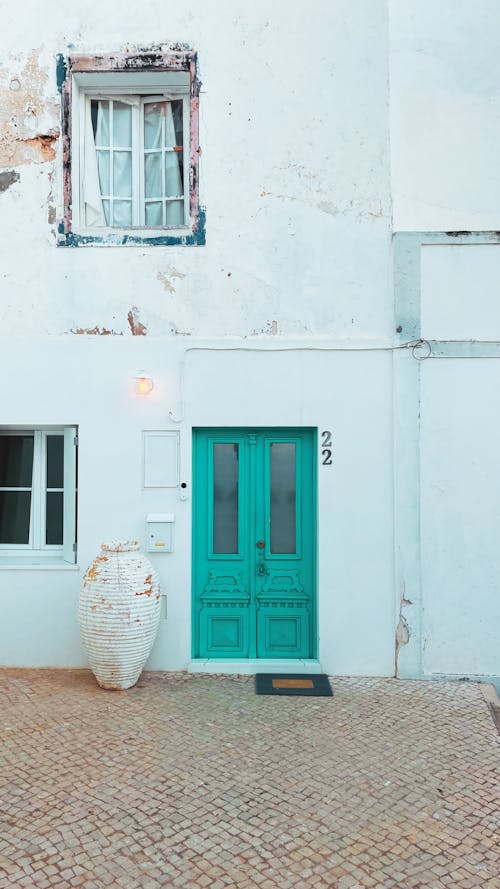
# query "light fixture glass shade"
(143, 384)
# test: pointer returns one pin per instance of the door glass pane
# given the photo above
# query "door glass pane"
(16, 461)
(55, 461)
(54, 520)
(15, 507)
(283, 497)
(225, 498)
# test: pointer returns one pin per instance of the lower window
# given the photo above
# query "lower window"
(38, 495)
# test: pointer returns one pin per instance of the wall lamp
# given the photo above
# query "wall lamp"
(143, 384)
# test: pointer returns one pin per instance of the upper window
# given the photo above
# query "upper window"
(37, 495)
(131, 149)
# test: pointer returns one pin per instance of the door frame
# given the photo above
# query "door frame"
(217, 431)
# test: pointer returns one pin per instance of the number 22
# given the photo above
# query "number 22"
(326, 448)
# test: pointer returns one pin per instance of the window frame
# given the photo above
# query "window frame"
(82, 95)
(36, 550)
(156, 75)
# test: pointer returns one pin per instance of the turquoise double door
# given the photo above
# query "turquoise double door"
(254, 543)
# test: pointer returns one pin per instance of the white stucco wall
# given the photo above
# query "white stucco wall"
(445, 115)
(459, 459)
(460, 516)
(91, 378)
(461, 292)
(294, 176)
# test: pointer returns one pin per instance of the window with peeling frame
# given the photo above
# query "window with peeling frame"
(131, 149)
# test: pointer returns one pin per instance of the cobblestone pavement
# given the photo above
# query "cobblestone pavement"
(194, 781)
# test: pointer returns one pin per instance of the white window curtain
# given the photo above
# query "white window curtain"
(162, 166)
(105, 163)
(174, 210)
(94, 213)
(110, 158)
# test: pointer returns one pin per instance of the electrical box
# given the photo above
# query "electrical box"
(160, 532)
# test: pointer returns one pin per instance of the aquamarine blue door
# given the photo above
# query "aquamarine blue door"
(254, 543)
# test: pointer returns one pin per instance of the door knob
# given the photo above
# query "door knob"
(260, 544)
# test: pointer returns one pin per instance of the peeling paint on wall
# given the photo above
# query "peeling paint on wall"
(7, 179)
(175, 330)
(95, 331)
(402, 630)
(28, 124)
(44, 144)
(61, 71)
(166, 279)
(137, 328)
(271, 329)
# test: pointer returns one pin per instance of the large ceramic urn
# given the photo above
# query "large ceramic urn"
(118, 613)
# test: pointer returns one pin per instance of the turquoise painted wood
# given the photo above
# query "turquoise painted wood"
(254, 543)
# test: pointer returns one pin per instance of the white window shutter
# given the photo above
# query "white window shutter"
(69, 521)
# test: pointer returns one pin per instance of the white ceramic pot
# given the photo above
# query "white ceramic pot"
(118, 613)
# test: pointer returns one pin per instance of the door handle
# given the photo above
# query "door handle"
(262, 570)
(260, 544)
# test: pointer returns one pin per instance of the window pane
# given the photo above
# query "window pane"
(122, 125)
(103, 158)
(16, 461)
(55, 461)
(54, 518)
(154, 214)
(152, 175)
(152, 124)
(283, 497)
(177, 121)
(225, 531)
(15, 508)
(122, 213)
(175, 213)
(122, 174)
(173, 174)
(170, 134)
(101, 131)
(107, 211)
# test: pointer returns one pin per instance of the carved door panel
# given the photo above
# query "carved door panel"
(254, 543)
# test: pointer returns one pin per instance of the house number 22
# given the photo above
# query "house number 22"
(326, 447)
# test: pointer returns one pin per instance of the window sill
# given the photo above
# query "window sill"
(47, 565)
(181, 237)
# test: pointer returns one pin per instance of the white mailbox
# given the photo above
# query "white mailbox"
(160, 532)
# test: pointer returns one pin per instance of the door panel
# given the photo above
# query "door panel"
(254, 543)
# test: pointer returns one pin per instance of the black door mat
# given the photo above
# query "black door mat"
(312, 685)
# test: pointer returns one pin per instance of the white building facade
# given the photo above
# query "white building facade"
(286, 218)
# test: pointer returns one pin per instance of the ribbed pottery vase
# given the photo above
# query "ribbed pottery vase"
(118, 613)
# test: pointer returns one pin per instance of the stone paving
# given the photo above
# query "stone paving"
(194, 781)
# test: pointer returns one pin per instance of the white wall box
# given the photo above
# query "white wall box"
(161, 458)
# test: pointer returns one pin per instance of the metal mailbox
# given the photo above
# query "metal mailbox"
(160, 532)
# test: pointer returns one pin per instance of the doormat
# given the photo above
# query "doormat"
(312, 685)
